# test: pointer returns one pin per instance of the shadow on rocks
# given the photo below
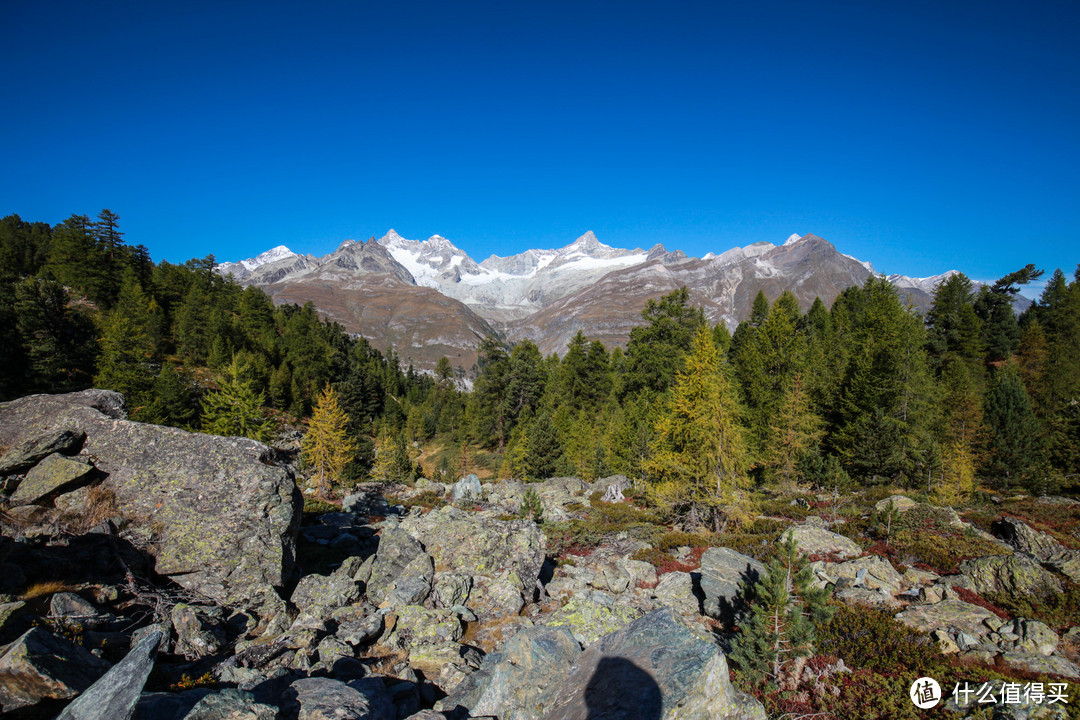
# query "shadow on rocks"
(620, 690)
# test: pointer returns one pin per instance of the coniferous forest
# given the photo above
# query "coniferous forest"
(736, 452)
(866, 392)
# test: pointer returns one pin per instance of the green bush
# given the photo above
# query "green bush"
(874, 639)
(1058, 610)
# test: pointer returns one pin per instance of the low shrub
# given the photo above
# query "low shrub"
(874, 639)
(1058, 610)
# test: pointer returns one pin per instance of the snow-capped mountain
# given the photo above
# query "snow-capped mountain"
(428, 298)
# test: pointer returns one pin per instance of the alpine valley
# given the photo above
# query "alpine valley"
(428, 298)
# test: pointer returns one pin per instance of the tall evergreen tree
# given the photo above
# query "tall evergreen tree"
(655, 350)
(1014, 448)
(235, 408)
(129, 361)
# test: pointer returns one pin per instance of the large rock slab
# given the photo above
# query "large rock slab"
(220, 517)
(40, 665)
(520, 680)
(1013, 574)
(954, 615)
(590, 620)
(814, 540)
(1042, 546)
(53, 475)
(326, 699)
(655, 668)
(724, 574)
(502, 556)
(116, 694)
(30, 450)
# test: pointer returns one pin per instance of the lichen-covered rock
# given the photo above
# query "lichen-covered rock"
(40, 665)
(416, 626)
(676, 590)
(1013, 574)
(221, 516)
(492, 552)
(1042, 546)
(320, 595)
(31, 450)
(590, 620)
(521, 680)
(895, 503)
(361, 631)
(656, 667)
(955, 615)
(115, 695)
(872, 572)
(53, 475)
(814, 540)
(1032, 636)
(724, 573)
(1042, 664)
(402, 573)
(451, 589)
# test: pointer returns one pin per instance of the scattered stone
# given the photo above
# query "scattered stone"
(40, 665)
(53, 475)
(116, 694)
(451, 589)
(724, 575)
(654, 668)
(416, 626)
(28, 452)
(67, 604)
(319, 595)
(364, 631)
(167, 705)
(1032, 636)
(814, 540)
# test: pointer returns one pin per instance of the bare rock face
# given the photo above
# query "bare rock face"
(217, 514)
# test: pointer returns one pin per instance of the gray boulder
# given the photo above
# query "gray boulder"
(814, 540)
(1042, 546)
(320, 698)
(116, 694)
(1013, 574)
(654, 668)
(218, 514)
(53, 475)
(319, 595)
(467, 488)
(230, 704)
(724, 573)
(40, 665)
(953, 615)
(31, 450)
(402, 573)
(521, 680)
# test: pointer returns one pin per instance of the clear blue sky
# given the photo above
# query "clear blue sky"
(921, 136)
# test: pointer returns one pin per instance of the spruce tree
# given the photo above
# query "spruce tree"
(235, 408)
(128, 361)
(1014, 447)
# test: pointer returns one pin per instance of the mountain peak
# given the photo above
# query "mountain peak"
(587, 241)
(793, 238)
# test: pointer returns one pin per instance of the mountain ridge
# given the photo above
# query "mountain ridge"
(427, 296)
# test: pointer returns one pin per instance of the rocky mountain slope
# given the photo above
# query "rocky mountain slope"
(429, 298)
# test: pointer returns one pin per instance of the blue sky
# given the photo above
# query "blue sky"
(921, 136)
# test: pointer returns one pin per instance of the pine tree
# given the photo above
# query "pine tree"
(785, 611)
(235, 408)
(327, 446)
(655, 350)
(698, 462)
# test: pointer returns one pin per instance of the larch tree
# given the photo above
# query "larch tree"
(699, 457)
(326, 446)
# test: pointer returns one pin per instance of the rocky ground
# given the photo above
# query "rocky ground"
(152, 573)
